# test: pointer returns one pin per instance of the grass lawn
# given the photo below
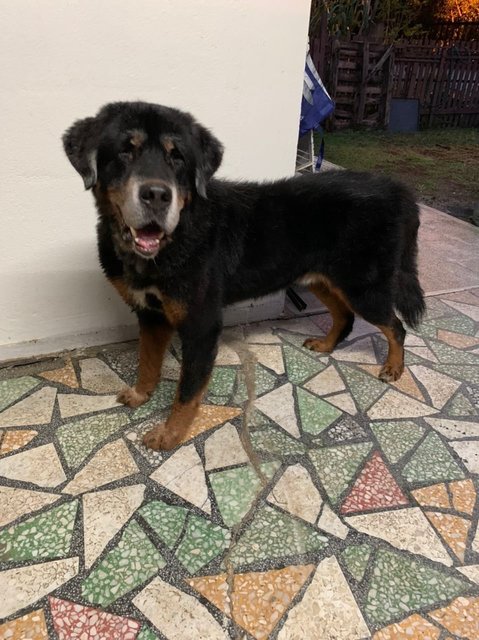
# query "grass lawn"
(442, 165)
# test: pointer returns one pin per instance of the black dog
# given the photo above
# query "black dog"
(179, 246)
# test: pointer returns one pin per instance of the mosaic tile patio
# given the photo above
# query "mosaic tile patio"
(344, 509)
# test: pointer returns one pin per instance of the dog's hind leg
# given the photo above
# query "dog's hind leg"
(394, 365)
(343, 318)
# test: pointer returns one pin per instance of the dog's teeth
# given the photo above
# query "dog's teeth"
(133, 232)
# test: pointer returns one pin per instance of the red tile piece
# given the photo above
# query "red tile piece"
(374, 489)
(73, 621)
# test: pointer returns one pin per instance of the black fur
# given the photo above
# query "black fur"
(239, 240)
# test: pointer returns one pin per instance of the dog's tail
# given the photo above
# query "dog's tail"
(409, 295)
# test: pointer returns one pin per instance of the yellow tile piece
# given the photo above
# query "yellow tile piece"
(259, 599)
(32, 626)
(452, 529)
(66, 375)
(457, 339)
(412, 628)
(460, 618)
(434, 496)
(210, 416)
(13, 440)
(463, 496)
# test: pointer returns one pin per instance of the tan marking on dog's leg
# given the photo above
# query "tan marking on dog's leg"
(340, 312)
(394, 365)
(175, 430)
(154, 341)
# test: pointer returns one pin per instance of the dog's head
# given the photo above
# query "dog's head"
(146, 163)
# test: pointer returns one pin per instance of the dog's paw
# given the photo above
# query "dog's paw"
(161, 439)
(391, 373)
(131, 397)
(316, 344)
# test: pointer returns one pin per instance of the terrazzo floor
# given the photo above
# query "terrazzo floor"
(341, 509)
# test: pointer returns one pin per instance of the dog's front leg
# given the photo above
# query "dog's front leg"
(199, 348)
(155, 336)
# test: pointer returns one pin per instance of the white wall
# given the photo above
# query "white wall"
(237, 65)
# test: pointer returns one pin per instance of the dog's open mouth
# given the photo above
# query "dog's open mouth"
(149, 239)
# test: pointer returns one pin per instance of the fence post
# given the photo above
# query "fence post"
(437, 85)
(359, 115)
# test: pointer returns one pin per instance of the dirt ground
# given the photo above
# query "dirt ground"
(442, 165)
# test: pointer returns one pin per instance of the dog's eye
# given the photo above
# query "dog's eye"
(126, 156)
(127, 152)
(176, 157)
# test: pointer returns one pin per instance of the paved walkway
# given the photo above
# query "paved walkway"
(346, 509)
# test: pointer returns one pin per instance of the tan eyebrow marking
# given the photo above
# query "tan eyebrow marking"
(137, 137)
(168, 144)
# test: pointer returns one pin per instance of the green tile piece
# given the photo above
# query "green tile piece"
(432, 462)
(364, 388)
(450, 355)
(222, 381)
(161, 399)
(44, 536)
(147, 634)
(274, 535)
(458, 324)
(264, 381)
(336, 466)
(436, 308)
(461, 407)
(132, 562)
(426, 330)
(78, 438)
(166, 520)
(356, 558)
(316, 414)
(401, 584)
(468, 373)
(236, 489)
(219, 400)
(299, 365)
(15, 388)
(397, 438)
(203, 541)
(270, 440)
(296, 339)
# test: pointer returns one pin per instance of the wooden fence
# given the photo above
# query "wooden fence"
(364, 76)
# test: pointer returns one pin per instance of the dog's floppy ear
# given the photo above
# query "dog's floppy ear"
(208, 157)
(80, 142)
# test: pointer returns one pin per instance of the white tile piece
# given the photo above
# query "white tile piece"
(475, 542)
(412, 340)
(23, 586)
(439, 386)
(226, 355)
(422, 352)
(343, 401)
(35, 410)
(395, 405)
(171, 368)
(406, 529)
(112, 462)
(19, 502)
(224, 449)
(468, 451)
(183, 618)
(40, 466)
(76, 404)
(328, 381)
(104, 514)
(471, 572)
(304, 326)
(184, 475)
(467, 309)
(327, 611)
(454, 429)
(328, 521)
(261, 334)
(361, 352)
(97, 376)
(270, 356)
(295, 492)
(279, 406)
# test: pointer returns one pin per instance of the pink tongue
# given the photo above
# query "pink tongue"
(147, 238)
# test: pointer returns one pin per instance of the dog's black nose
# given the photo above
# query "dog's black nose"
(155, 195)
